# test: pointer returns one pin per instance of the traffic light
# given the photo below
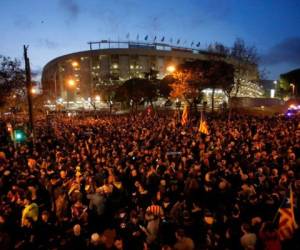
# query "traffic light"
(19, 135)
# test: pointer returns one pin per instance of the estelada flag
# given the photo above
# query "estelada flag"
(155, 210)
(287, 222)
(203, 128)
(185, 115)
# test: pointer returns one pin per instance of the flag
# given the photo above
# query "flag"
(154, 39)
(178, 41)
(192, 44)
(203, 128)
(198, 44)
(185, 115)
(287, 223)
(127, 36)
(146, 38)
(163, 38)
(155, 210)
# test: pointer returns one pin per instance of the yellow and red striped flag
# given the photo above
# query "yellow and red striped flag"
(287, 222)
(203, 128)
(155, 210)
(185, 115)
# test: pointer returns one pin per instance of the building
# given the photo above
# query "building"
(81, 75)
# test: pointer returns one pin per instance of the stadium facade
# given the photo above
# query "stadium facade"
(80, 75)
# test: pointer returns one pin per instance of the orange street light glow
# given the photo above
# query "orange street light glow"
(74, 64)
(171, 68)
(71, 82)
(33, 91)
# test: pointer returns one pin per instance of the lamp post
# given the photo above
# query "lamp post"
(293, 88)
(28, 88)
(71, 84)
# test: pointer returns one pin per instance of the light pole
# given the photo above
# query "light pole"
(71, 84)
(28, 88)
(293, 88)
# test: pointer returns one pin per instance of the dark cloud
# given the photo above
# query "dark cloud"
(47, 43)
(71, 7)
(287, 51)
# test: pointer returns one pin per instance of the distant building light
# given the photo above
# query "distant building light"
(272, 93)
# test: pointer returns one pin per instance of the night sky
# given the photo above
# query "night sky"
(56, 27)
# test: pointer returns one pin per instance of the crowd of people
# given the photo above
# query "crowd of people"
(146, 182)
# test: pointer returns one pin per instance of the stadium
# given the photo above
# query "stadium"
(79, 76)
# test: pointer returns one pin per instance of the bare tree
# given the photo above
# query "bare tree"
(245, 58)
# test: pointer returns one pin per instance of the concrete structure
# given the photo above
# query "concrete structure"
(83, 74)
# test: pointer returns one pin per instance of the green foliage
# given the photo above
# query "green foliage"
(163, 86)
(291, 77)
(137, 90)
(12, 79)
(210, 74)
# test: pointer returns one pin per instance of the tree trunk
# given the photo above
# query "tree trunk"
(213, 100)
(229, 109)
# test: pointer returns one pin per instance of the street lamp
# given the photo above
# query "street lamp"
(293, 88)
(33, 91)
(171, 68)
(74, 64)
(71, 84)
(97, 98)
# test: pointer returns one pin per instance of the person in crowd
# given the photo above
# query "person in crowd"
(147, 182)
